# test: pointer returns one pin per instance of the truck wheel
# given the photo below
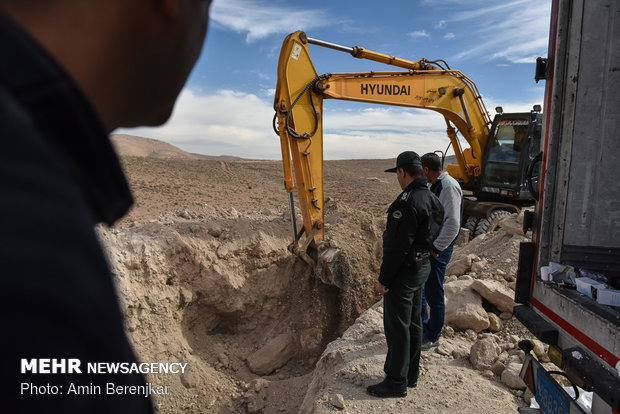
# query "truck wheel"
(470, 224)
(491, 223)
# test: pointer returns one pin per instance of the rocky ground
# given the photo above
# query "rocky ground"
(205, 278)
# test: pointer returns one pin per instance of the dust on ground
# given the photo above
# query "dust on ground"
(204, 276)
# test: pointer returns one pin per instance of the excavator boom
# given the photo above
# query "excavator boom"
(300, 92)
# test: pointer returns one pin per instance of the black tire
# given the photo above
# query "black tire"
(470, 224)
(487, 225)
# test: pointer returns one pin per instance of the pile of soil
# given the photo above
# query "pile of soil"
(205, 278)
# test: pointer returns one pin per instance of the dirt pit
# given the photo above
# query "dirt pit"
(205, 278)
(228, 298)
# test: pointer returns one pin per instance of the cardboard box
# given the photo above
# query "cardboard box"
(609, 297)
(585, 285)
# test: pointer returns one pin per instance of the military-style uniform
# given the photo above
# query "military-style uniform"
(413, 222)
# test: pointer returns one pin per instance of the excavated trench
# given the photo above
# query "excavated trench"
(250, 319)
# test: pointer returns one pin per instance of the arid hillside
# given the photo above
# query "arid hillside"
(205, 278)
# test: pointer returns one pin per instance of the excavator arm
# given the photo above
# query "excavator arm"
(298, 103)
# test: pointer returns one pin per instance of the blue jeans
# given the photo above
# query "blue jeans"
(433, 296)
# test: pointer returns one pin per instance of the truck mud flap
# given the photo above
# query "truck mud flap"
(542, 329)
(525, 269)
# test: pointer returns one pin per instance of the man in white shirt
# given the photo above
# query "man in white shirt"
(449, 192)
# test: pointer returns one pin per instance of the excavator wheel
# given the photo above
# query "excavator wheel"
(491, 223)
(470, 224)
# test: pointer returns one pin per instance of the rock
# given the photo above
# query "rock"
(539, 351)
(472, 258)
(518, 353)
(273, 355)
(259, 383)
(527, 396)
(215, 230)
(450, 279)
(189, 379)
(495, 323)
(223, 359)
(511, 377)
(496, 293)
(489, 335)
(483, 353)
(479, 266)
(233, 213)
(463, 237)
(458, 267)
(448, 331)
(498, 367)
(337, 400)
(255, 403)
(471, 334)
(514, 359)
(464, 307)
(488, 373)
(445, 348)
(460, 352)
(185, 296)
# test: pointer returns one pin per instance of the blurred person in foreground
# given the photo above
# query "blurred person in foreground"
(413, 222)
(72, 71)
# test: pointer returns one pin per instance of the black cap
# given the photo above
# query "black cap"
(406, 158)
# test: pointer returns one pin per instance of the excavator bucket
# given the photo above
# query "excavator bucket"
(329, 266)
(326, 261)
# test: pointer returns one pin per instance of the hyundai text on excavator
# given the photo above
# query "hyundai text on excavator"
(494, 168)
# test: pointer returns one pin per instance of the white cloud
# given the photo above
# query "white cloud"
(449, 36)
(420, 33)
(224, 123)
(514, 32)
(441, 24)
(259, 19)
(239, 124)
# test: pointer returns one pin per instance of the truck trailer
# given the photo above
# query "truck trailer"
(568, 281)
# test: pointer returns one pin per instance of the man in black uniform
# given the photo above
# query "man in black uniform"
(70, 73)
(413, 222)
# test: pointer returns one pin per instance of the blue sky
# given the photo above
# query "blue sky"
(226, 106)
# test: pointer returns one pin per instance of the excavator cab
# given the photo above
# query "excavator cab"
(508, 170)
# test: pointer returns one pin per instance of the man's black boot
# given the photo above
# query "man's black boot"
(387, 389)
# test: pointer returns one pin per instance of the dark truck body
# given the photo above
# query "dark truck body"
(577, 218)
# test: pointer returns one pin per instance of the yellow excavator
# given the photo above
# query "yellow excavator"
(498, 167)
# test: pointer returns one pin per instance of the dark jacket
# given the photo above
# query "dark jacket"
(59, 176)
(413, 222)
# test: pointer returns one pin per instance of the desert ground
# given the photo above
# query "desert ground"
(205, 278)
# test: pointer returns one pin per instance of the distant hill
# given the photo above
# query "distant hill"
(129, 145)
